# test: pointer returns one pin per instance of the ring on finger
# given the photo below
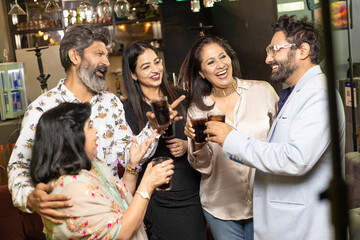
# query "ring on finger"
(178, 144)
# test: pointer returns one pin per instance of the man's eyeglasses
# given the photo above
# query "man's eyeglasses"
(272, 50)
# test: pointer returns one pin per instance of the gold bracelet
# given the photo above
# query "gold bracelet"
(143, 194)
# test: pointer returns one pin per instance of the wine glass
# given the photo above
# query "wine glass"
(86, 11)
(104, 10)
(52, 6)
(154, 3)
(122, 9)
(16, 10)
(208, 3)
(195, 5)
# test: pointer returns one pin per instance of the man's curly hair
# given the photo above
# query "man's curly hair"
(300, 31)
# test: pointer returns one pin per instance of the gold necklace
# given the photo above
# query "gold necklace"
(217, 92)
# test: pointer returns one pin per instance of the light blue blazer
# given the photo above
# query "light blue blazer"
(294, 166)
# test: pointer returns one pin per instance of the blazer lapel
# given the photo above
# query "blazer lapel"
(312, 72)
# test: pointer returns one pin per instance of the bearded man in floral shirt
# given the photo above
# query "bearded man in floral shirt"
(84, 56)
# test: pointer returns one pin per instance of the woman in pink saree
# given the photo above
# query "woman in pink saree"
(103, 206)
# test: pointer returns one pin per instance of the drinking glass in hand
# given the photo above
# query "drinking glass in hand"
(219, 117)
(166, 186)
(198, 124)
(160, 107)
(216, 117)
(169, 132)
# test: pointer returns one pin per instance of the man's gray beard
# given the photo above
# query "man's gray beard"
(90, 80)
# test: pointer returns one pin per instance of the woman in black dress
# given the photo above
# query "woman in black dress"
(174, 214)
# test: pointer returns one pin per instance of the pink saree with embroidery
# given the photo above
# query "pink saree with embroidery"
(100, 201)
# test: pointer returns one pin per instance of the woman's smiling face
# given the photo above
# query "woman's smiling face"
(216, 65)
(149, 70)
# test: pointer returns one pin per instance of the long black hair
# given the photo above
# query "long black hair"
(133, 89)
(59, 142)
(198, 86)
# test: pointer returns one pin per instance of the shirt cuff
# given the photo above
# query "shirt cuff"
(25, 199)
(229, 140)
(232, 146)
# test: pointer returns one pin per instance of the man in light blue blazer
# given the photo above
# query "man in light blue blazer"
(294, 166)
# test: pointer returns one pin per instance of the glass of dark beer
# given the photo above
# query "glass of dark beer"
(198, 124)
(169, 132)
(160, 107)
(216, 117)
(166, 186)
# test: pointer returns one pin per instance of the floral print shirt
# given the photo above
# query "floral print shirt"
(100, 201)
(114, 137)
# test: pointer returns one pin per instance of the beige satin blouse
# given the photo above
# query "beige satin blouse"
(226, 187)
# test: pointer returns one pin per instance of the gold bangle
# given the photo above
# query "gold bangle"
(143, 194)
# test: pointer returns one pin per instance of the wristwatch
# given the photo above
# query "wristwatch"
(143, 194)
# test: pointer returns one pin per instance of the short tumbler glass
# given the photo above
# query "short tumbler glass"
(166, 186)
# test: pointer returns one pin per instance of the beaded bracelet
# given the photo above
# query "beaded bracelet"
(134, 170)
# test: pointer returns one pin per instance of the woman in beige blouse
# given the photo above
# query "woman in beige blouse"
(104, 207)
(212, 71)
